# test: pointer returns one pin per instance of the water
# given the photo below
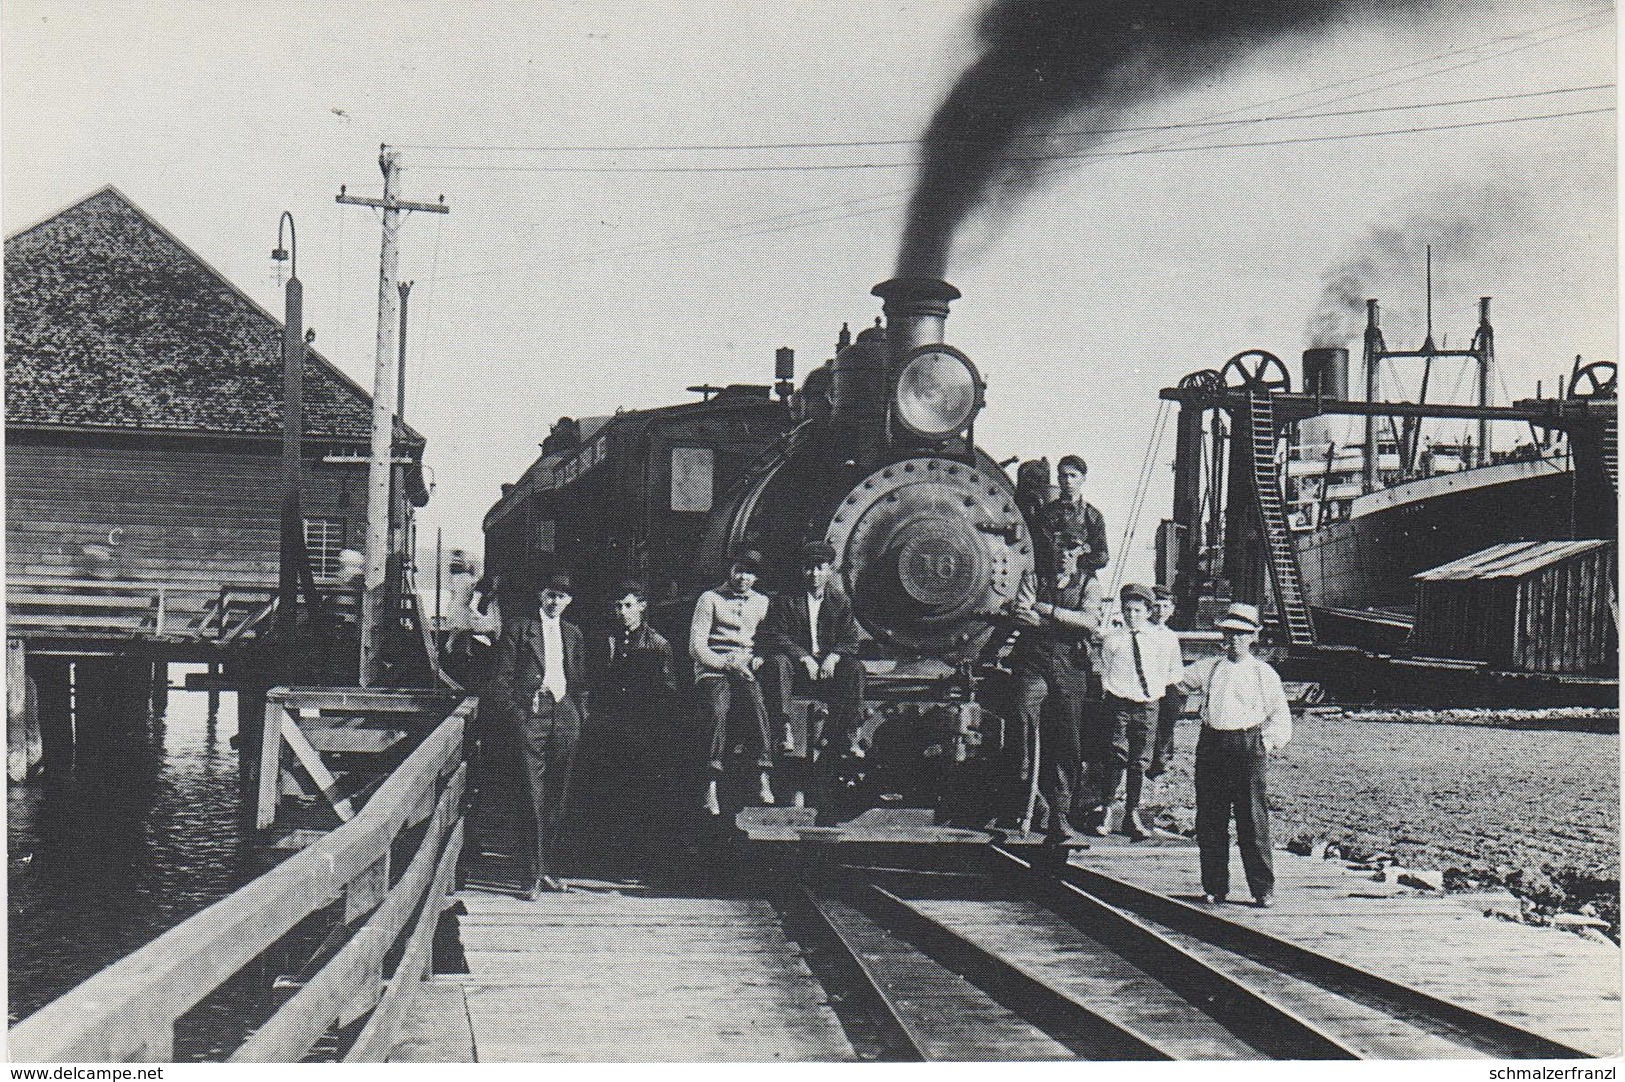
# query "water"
(137, 837)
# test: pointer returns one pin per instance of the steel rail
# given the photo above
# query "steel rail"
(890, 1021)
(1040, 1001)
(1477, 1030)
(1251, 1014)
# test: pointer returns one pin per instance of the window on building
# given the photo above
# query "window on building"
(324, 540)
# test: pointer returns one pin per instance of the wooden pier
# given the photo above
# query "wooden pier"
(738, 964)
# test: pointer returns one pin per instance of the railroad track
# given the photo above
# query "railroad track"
(1011, 961)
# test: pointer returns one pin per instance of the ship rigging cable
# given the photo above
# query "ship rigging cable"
(1142, 488)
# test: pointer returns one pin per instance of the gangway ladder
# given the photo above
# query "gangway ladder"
(1610, 450)
(1283, 558)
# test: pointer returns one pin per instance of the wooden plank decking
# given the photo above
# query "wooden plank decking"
(607, 977)
(598, 976)
(1551, 982)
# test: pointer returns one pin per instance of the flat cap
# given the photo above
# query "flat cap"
(817, 552)
(1135, 591)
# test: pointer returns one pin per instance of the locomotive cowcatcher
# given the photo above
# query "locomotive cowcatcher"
(874, 452)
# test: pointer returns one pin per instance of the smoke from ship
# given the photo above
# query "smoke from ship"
(1471, 229)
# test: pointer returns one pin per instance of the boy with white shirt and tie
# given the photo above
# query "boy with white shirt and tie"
(1136, 666)
(1245, 716)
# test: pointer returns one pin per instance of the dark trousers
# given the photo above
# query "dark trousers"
(716, 692)
(547, 749)
(1169, 707)
(1230, 781)
(1052, 703)
(784, 677)
(1130, 738)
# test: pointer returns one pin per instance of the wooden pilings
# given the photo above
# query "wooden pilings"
(24, 746)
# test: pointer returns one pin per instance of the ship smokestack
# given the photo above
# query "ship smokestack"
(916, 312)
(1326, 372)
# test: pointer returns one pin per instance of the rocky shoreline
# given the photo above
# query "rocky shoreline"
(1519, 806)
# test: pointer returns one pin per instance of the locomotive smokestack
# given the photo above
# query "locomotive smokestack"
(916, 312)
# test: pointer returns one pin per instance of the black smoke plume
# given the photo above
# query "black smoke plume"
(1086, 62)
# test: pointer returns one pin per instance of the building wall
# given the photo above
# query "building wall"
(170, 510)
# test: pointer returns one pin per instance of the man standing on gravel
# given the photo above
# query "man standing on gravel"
(1245, 716)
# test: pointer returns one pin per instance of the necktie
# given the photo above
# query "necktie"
(1139, 664)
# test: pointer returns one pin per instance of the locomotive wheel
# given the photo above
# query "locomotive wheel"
(926, 548)
(1599, 379)
(1256, 370)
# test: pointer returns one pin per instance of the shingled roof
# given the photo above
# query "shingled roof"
(113, 323)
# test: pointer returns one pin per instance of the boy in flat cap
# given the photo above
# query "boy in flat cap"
(810, 646)
(1173, 700)
(722, 642)
(1136, 667)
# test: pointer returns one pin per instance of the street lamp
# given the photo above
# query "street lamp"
(292, 545)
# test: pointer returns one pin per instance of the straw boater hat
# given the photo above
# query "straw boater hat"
(1240, 617)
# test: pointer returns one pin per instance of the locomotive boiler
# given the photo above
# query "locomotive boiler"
(874, 452)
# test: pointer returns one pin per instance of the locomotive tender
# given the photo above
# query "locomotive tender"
(875, 452)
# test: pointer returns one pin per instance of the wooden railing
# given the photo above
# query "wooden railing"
(127, 1012)
(120, 608)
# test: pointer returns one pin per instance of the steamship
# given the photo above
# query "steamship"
(1396, 526)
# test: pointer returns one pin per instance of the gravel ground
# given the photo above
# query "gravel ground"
(1479, 798)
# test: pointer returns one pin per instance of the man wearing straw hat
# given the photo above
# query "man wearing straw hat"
(1245, 716)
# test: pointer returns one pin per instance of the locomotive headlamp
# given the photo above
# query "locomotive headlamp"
(938, 392)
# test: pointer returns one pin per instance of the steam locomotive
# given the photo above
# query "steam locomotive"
(874, 452)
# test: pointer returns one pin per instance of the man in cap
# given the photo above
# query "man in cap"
(1061, 609)
(1070, 511)
(1245, 716)
(722, 642)
(539, 679)
(1136, 667)
(810, 643)
(634, 679)
(1173, 701)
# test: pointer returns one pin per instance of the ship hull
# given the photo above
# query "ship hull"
(1367, 562)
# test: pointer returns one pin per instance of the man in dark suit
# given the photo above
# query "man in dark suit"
(810, 645)
(537, 687)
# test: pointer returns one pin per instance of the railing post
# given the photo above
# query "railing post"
(269, 791)
(162, 598)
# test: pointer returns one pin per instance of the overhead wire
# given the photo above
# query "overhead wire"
(839, 167)
(803, 217)
(835, 144)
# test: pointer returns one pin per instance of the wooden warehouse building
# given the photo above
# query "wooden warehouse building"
(143, 426)
(1524, 606)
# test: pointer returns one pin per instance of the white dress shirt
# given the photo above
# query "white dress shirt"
(1159, 658)
(1241, 695)
(553, 657)
(814, 603)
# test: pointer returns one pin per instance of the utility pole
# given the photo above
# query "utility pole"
(376, 579)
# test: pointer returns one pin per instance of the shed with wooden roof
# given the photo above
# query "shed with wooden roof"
(1524, 606)
(143, 425)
